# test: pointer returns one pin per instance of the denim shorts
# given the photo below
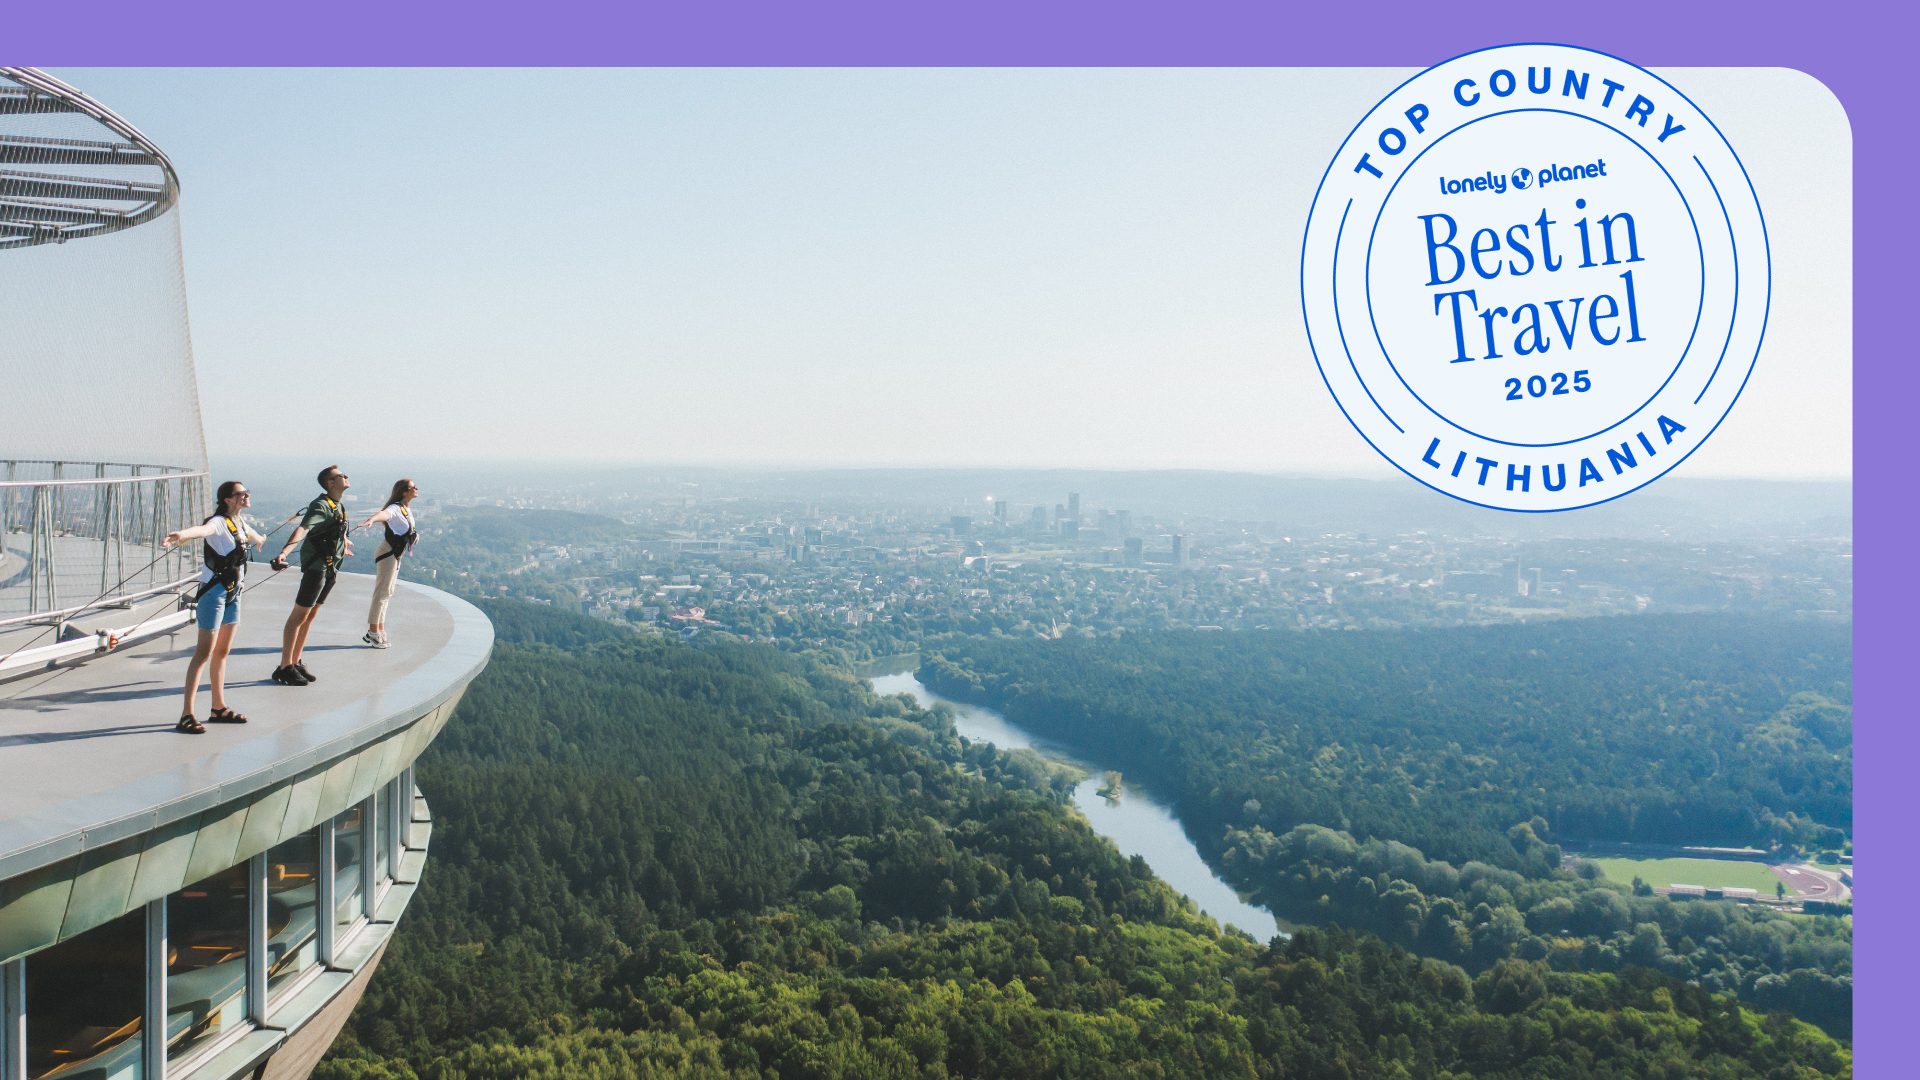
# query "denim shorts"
(214, 609)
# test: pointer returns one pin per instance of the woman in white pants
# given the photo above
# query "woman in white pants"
(400, 536)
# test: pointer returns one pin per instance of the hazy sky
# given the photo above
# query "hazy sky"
(1005, 268)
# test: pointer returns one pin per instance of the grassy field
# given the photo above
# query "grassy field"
(1712, 873)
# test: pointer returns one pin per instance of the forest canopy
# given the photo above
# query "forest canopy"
(669, 860)
(1420, 784)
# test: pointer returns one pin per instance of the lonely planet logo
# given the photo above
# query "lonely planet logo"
(1573, 332)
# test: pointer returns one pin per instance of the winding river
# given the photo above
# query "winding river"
(1136, 822)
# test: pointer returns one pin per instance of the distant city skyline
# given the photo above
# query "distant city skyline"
(1018, 268)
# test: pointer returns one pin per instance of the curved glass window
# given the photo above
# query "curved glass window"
(206, 960)
(84, 999)
(349, 845)
(383, 849)
(293, 910)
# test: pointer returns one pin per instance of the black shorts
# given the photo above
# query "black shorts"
(315, 584)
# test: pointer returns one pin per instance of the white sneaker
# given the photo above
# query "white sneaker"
(378, 641)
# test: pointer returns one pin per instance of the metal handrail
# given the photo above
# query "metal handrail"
(104, 464)
(91, 524)
(117, 601)
(96, 481)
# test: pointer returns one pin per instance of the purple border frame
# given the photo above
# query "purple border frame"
(1848, 46)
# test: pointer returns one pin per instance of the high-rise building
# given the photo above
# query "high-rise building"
(1133, 552)
(1179, 550)
(1000, 512)
(1073, 507)
(196, 905)
(961, 524)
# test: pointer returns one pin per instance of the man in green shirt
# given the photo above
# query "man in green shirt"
(324, 542)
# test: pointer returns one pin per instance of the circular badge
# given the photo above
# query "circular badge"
(1535, 277)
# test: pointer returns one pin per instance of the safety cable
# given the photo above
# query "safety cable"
(291, 518)
(164, 552)
(287, 566)
(16, 687)
(89, 604)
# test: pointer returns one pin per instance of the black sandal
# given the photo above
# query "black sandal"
(224, 715)
(189, 726)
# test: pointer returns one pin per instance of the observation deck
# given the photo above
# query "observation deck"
(232, 889)
(171, 905)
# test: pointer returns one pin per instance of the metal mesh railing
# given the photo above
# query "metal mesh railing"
(69, 167)
(81, 536)
(102, 452)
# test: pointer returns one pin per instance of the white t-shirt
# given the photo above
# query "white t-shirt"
(222, 542)
(399, 519)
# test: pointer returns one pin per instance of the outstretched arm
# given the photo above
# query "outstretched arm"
(197, 532)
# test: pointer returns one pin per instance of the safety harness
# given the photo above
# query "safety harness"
(330, 535)
(398, 544)
(225, 568)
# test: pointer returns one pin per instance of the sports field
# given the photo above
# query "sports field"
(1711, 873)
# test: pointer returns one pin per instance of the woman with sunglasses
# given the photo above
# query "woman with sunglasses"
(399, 539)
(225, 537)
